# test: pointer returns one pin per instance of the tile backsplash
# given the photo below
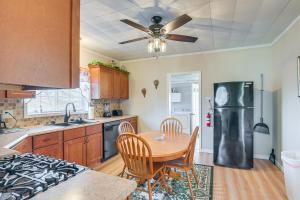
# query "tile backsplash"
(16, 107)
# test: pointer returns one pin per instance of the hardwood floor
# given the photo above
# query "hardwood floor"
(263, 182)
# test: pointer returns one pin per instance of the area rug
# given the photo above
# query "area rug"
(181, 189)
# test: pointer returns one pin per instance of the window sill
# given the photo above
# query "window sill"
(55, 114)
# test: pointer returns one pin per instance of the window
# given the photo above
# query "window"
(51, 102)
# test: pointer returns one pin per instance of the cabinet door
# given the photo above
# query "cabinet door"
(106, 83)
(52, 151)
(2, 94)
(116, 85)
(40, 43)
(124, 93)
(94, 149)
(24, 146)
(75, 151)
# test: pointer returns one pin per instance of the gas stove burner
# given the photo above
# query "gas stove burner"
(23, 176)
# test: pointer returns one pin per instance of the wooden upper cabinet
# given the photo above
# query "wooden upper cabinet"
(40, 43)
(117, 85)
(108, 83)
(124, 93)
(2, 94)
(102, 80)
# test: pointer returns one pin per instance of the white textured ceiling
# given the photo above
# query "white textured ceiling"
(218, 24)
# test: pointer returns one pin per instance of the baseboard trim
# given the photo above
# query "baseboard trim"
(279, 165)
(206, 151)
(261, 156)
(257, 156)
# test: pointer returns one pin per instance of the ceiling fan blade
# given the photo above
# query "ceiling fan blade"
(176, 23)
(181, 38)
(133, 40)
(135, 25)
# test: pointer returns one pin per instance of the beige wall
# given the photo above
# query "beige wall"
(285, 53)
(87, 56)
(240, 65)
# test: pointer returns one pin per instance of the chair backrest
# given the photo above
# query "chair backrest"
(171, 126)
(126, 127)
(136, 154)
(189, 156)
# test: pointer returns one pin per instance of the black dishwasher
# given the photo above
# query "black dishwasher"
(110, 134)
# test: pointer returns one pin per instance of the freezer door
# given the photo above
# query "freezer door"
(233, 94)
(233, 137)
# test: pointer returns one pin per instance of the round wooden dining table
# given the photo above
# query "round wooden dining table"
(169, 148)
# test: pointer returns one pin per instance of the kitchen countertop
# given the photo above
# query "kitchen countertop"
(4, 152)
(86, 185)
(90, 185)
(11, 139)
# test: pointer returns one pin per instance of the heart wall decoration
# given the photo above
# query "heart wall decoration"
(156, 83)
(144, 91)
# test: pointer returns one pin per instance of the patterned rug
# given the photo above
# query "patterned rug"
(181, 189)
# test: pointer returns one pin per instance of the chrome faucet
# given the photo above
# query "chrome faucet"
(68, 114)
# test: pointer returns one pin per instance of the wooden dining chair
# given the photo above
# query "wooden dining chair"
(171, 126)
(137, 156)
(186, 163)
(126, 127)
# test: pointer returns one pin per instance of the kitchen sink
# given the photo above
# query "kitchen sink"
(62, 124)
(72, 123)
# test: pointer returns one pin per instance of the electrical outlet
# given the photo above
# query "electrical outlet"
(5, 116)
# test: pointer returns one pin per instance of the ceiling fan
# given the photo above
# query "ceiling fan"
(158, 32)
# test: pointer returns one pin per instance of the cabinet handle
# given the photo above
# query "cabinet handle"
(87, 140)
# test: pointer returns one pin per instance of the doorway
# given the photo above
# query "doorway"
(184, 90)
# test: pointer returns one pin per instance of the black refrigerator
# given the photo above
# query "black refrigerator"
(233, 124)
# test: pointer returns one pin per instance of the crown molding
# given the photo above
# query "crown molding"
(200, 52)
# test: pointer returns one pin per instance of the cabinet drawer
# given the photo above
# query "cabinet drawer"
(52, 151)
(90, 130)
(74, 133)
(25, 146)
(46, 139)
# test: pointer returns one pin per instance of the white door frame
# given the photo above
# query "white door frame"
(200, 98)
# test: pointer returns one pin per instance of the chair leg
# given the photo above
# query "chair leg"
(149, 189)
(123, 171)
(195, 176)
(190, 184)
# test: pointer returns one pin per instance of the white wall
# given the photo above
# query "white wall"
(285, 53)
(240, 65)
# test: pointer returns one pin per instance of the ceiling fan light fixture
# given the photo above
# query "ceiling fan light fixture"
(150, 46)
(157, 43)
(163, 46)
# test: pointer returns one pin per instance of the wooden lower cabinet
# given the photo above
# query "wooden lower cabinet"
(24, 146)
(93, 149)
(75, 150)
(86, 147)
(52, 151)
